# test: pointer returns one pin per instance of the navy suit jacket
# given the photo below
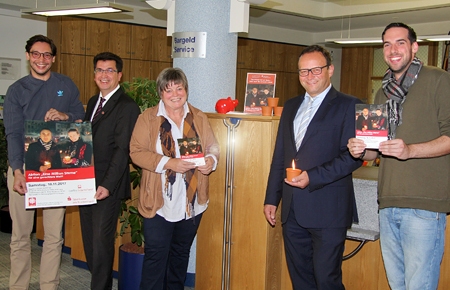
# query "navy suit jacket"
(111, 133)
(328, 201)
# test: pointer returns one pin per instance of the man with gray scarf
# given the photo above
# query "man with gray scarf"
(413, 180)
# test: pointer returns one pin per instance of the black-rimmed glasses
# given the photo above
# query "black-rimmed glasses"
(315, 71)
(37, 55)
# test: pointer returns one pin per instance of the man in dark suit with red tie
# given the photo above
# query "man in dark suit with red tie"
(318, 205)
(113, 115)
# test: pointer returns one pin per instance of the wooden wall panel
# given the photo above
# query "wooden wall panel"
(156, 67)
(255, 246)
(246, 55)
(73, 38)
(141, 42)
(75, 67)
(120, 44)
(292, 53)
(161, 45)
(356, 70)
(97, 37)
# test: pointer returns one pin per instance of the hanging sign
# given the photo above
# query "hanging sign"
(189, 44)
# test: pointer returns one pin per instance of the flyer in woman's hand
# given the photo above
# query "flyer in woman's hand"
(191, 151)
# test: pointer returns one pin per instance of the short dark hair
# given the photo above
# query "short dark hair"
(317, 48)
(73, 130)
(412, 36)
(171, 75)
(109, 56)
(40, 38)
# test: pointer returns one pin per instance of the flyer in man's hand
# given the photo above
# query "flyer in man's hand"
(191, 151)
(371, 124)
(59, 167)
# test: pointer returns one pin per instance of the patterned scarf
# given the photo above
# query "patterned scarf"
(168, 148)
(47, 145)
(396, 93)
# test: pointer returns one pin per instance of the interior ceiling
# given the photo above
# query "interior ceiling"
(347, 22)
(437, 11)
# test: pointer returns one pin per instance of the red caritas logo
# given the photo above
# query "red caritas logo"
(32, 201)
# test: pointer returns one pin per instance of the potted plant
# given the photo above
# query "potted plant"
(131, 255)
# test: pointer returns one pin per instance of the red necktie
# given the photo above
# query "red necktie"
(99, 108)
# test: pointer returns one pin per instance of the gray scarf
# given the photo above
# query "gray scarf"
(396, 93)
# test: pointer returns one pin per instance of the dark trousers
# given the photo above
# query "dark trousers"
(314, 256)
(167, 247)
(98, 228)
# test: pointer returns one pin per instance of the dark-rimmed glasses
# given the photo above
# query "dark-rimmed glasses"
(108, 71)
(315, 71)
(37, 55)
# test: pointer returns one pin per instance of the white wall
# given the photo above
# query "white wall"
(14, 34)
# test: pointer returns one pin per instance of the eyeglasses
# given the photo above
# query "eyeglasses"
(108, 71)
(315, 71)
(37, 55)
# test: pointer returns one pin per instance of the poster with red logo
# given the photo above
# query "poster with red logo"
(371, 124)
(260, 86)
(59, 167)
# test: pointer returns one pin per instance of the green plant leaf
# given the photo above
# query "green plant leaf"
(144, 92)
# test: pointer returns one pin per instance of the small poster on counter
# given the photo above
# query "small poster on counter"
(260, 86)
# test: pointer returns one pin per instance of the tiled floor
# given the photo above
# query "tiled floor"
(71, 277)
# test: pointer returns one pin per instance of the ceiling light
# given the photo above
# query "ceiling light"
(355, 40)
(375, 40)
(436, 37)
(104, 7)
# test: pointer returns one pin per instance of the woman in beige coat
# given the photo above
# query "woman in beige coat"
(173, 192)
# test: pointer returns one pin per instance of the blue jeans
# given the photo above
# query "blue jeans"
(412, 245)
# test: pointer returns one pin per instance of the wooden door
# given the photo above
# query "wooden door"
(356, 70)
(256, 250)
(161, 45)
(292, 52)
(90, 87)
(120, 39)
(141, 42)
(157, 67)
(246, 57)
(97, 36)
(73, 32)
(140, 68)
(74, 66)
(272, 56)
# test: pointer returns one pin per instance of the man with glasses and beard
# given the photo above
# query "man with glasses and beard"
(45, 96)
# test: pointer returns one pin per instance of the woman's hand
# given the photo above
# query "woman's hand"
(208, 167)
(178, 165)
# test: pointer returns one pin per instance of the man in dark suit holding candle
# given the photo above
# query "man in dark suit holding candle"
(319, 204)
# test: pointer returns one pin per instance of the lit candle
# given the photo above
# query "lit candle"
(48, 164)
(292, 172)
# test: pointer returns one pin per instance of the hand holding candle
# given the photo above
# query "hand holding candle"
(292, 172)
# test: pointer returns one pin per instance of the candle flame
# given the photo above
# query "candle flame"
(293, 164)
